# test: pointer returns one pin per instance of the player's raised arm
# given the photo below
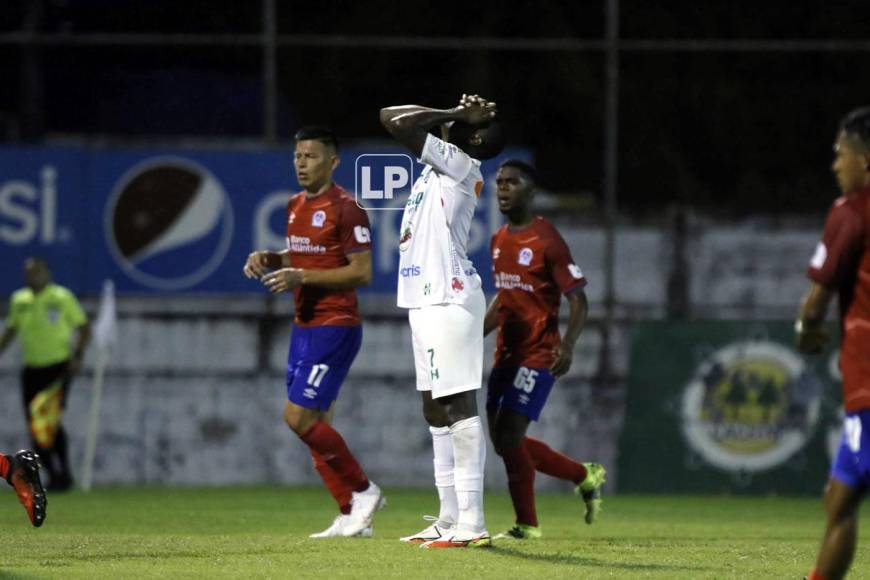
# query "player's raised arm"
(410, 124)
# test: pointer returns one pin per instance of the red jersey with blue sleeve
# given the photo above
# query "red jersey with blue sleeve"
(322, 230)
(532, 268)
(841, 263)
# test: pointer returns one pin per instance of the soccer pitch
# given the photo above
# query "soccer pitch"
(261, 532)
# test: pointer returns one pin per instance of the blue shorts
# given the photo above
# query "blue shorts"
(319, 360)
(852, 464)
(520, 389)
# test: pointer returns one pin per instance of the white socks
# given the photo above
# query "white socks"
(442, 448)
(469, 455)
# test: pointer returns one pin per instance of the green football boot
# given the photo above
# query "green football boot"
(521, 532)
(590, 490)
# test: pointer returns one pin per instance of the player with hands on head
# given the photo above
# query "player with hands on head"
(841, 266)
(441, 289)
(533, 268)
(328, 256)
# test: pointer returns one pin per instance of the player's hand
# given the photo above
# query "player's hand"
(564, 355)
(283, 280)
(256, 265)
(811, 339)
(466, 100)
(477, 113)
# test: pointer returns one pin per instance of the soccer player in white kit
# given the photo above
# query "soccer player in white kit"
(441, 289)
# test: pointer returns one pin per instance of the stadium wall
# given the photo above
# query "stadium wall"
(195, 387)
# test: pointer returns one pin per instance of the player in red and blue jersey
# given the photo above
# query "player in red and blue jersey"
(328, 256)
(533, 268)
(841, 266)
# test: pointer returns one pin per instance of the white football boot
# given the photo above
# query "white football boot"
(337, 530)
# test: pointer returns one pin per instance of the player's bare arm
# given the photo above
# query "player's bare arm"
(260, 262)
(564, 352)
(410, 124)
(357, 273)
(810, 335)
(490, 320)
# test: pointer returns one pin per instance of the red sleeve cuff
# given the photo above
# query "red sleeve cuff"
(581, 283)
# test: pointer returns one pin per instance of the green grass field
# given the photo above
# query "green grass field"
(262, 533)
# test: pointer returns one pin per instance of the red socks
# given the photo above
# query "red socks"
(553, 463)
(521, 483)
(333, 482)
(326, 441)
(815, 575)
(4, 466)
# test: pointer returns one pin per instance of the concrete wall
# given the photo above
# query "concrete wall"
(195, 388)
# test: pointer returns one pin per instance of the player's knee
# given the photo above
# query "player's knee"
(299, 420)
(435, 415)
(505, 439)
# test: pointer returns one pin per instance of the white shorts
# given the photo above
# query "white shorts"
(448, 346)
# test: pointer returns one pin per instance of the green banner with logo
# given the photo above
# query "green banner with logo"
(728, 407)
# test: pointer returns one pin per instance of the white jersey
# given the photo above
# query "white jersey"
(433, 264)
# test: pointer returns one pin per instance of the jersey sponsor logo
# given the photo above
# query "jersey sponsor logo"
(165, 210)
(508, 281)
(414, 201)
(750, 406)
(819, 257)
(303, 245)
(525, 257)
(575, 270)
(405, 240)
(362, 235)
(318, 218)
(457, 285)
(411, 271)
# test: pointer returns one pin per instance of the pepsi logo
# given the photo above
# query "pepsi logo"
(168, 223)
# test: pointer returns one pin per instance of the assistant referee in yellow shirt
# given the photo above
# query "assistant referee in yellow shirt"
(44, 315)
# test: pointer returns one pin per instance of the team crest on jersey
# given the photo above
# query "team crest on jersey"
(405, 240)
(457, 285)
(318, 218)
(525, 257)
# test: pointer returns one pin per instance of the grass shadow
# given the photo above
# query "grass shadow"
(564, 559)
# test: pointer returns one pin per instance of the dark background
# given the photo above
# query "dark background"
(727, 108)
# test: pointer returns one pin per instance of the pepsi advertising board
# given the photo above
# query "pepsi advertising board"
(185, 220)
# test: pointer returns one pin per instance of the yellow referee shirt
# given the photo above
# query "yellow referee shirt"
(44, 323)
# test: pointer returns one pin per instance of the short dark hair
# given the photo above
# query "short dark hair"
(526, 168)
(857, 124)
(38, 260)
(491, 134)
(317, 133)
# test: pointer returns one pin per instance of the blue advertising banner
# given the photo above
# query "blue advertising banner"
(185, 220)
